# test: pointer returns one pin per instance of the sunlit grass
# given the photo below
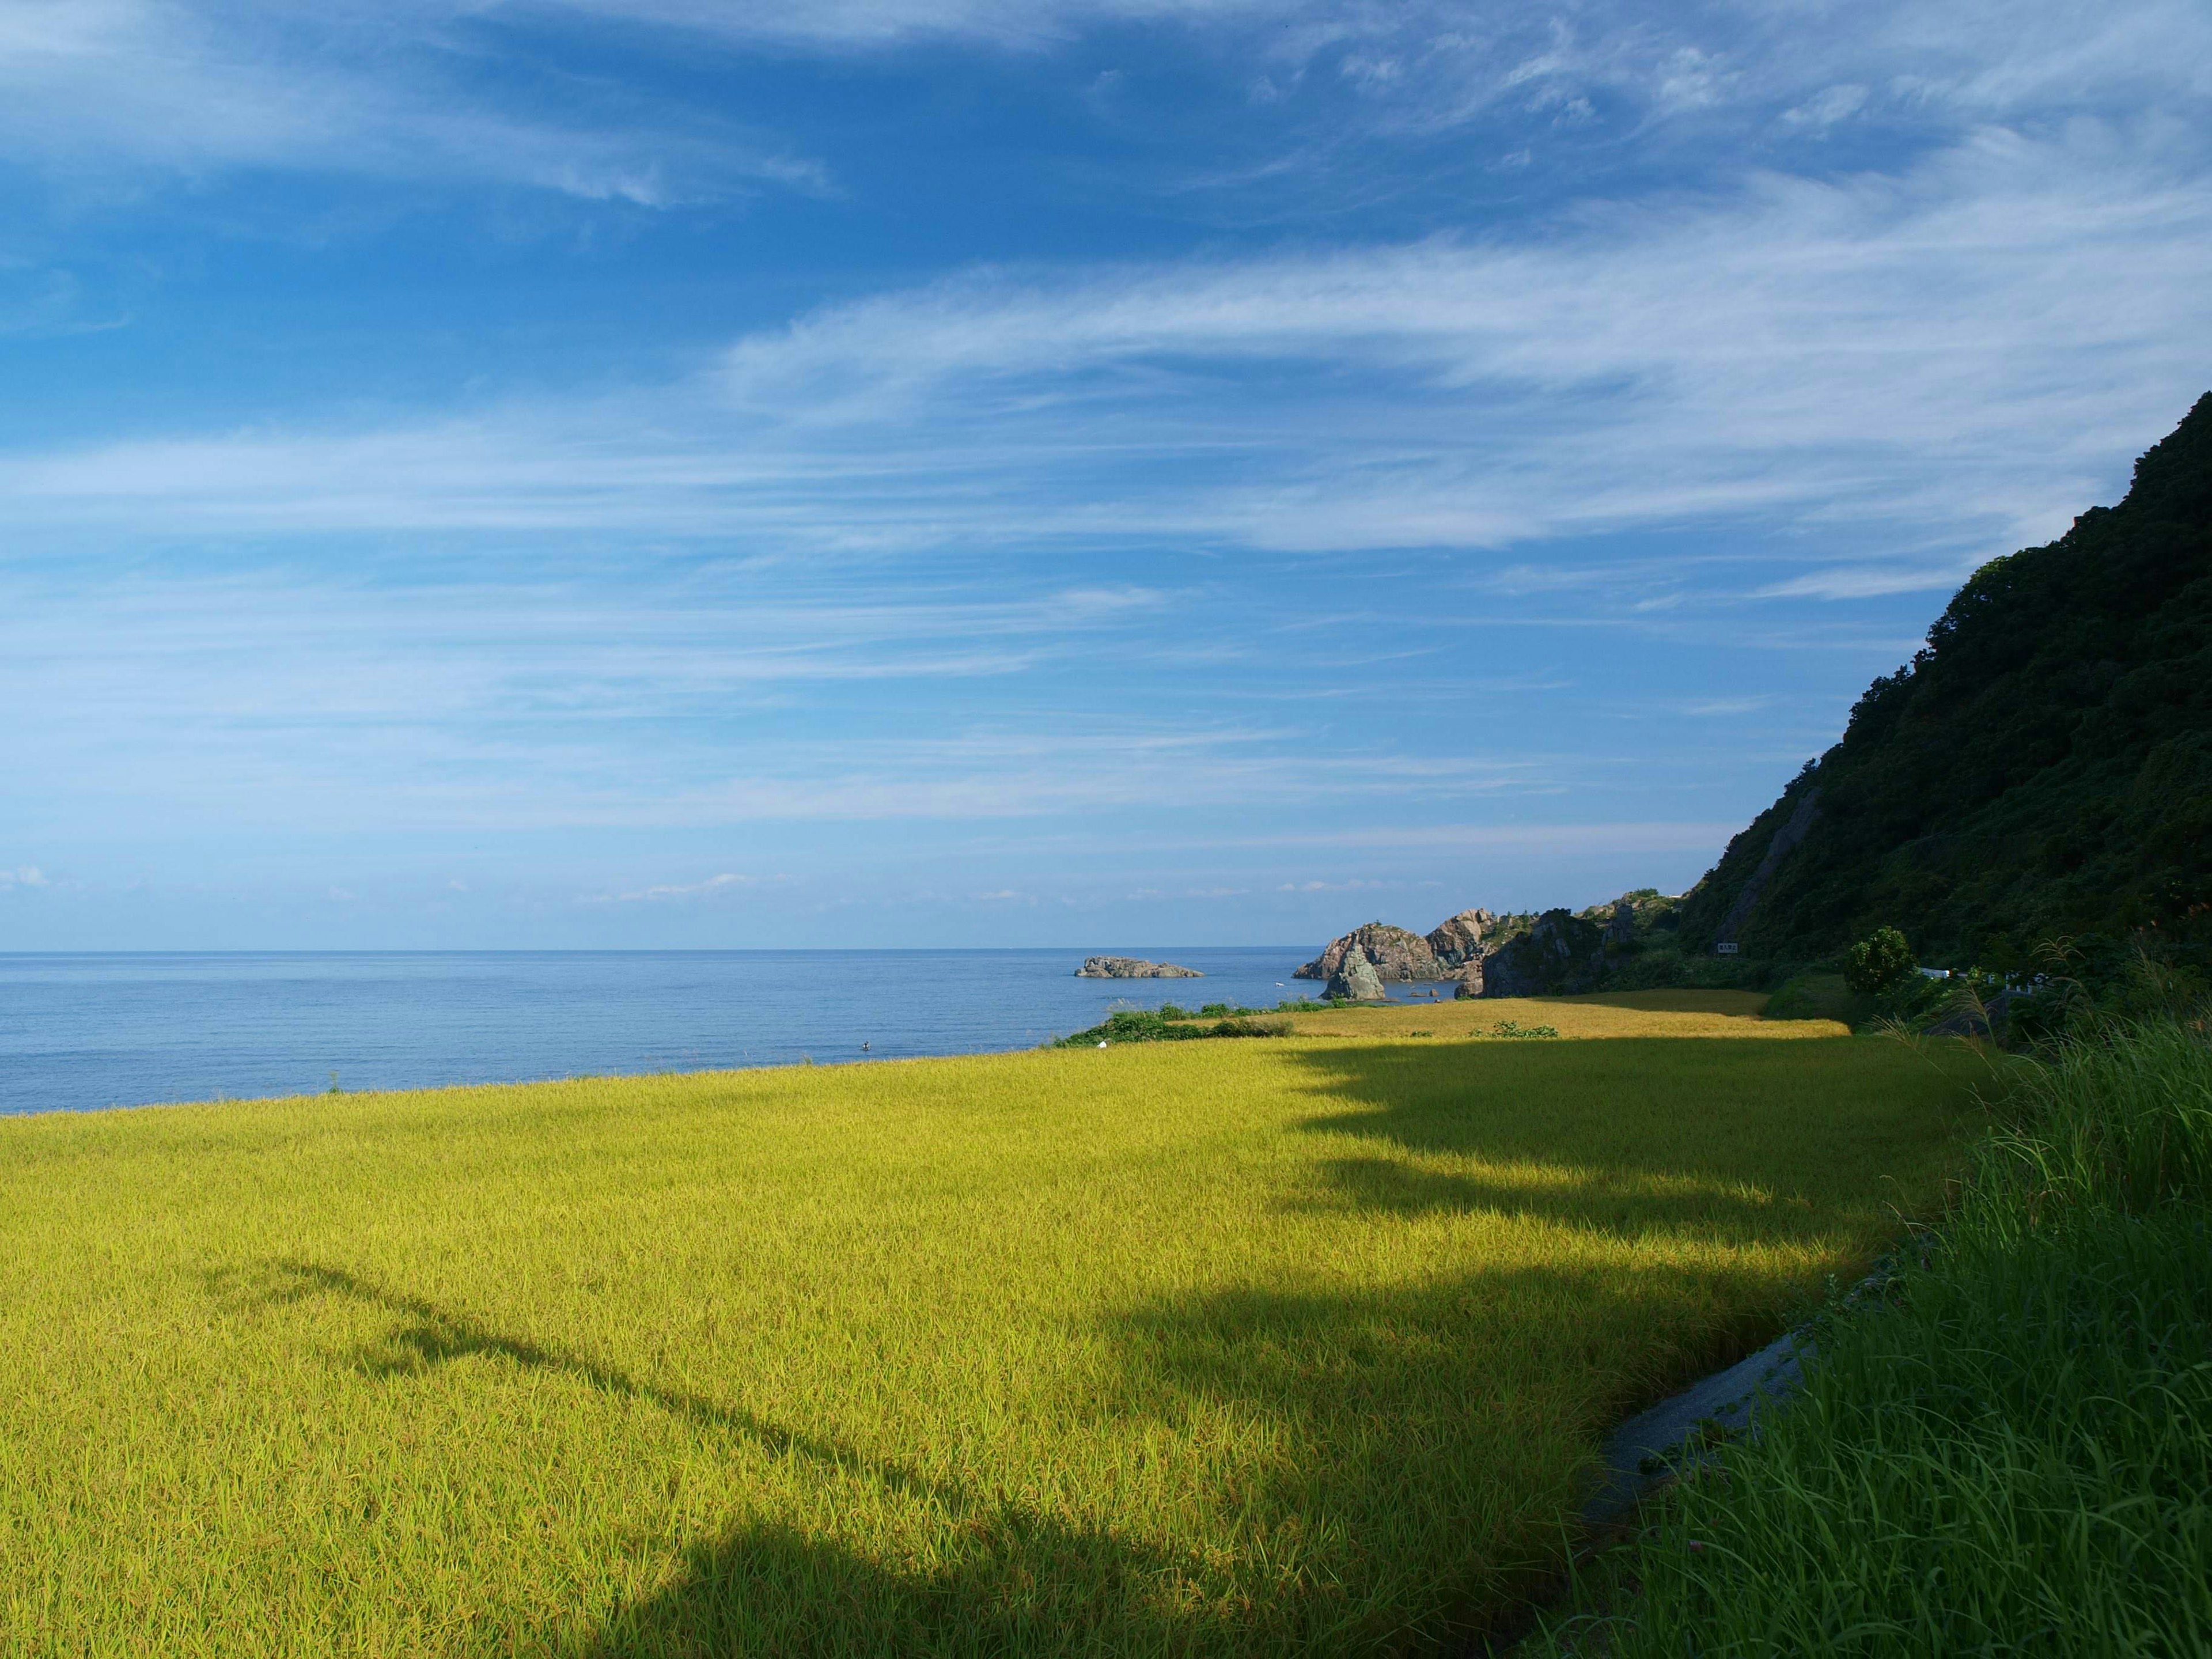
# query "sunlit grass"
(1223, 1346)
(1614, 1014)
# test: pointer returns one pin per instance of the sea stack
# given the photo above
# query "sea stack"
(1132, 967)
(1355, 981)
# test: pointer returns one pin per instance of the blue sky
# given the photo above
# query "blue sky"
(898, 472)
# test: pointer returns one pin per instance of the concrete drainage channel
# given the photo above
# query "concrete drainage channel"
(1654, 1446)
(1647, 1450)
(1651, 1449)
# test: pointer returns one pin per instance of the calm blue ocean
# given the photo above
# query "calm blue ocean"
(82, 1032)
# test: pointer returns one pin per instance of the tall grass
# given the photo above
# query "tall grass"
(2010, 1452)
(1296, 1344)
(2118, 1118)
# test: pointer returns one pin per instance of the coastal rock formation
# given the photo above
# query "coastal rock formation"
(1621, 930)
(1132, 967)
(1391, 952)
(1355, 980)
(1469, 982)
(1562, 953)
(1457, 942)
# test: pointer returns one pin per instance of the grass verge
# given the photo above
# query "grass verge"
(2010, 1449)
(1296, 1344)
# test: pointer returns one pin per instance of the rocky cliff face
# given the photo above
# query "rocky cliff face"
(1394, 953)
(1458, 942)
(1561, 954)
(1486, 954)
(1132, 967)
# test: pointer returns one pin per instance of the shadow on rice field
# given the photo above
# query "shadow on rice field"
(1289, 1346)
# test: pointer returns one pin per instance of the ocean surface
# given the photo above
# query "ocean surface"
(83, 1031)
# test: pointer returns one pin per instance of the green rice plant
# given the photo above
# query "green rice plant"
(1189, 1348)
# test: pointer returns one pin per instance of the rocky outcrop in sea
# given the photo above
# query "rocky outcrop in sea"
(1133, 968)
(1355, 980)
(1391, 952)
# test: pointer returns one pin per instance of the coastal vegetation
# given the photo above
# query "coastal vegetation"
(1301, 1342)
(1171, 1024)
(2005, 1445)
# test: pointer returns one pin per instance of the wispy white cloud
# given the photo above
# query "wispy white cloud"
(174, 87)
(306, 704)
(1939, 351)
(1657, 837)
(1866, 581)
(1801, 68)
(874, 24)
(193, 88)
(23, 875)
(664, 891)
(1709, 708)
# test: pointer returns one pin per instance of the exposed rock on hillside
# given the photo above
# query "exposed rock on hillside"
(1785, 839)
(1393, 953)
(1469, 983)
(1457, 942)
(1132, 967)
(1562, 953)
(1355, 979)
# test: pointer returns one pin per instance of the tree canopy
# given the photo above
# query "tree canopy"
(2042, 767)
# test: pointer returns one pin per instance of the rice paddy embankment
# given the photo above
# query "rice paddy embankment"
(1206, 1347)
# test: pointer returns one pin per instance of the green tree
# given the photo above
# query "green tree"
(1878, 961)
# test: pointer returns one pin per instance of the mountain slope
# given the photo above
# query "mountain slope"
(2042, 768)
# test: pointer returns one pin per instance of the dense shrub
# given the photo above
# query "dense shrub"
(1878, 962)
(1169, 1024)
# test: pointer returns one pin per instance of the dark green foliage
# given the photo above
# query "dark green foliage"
(1629, 944)
(1168, 1023)
(2042, 768)
(1878, 962)
(1819, 996)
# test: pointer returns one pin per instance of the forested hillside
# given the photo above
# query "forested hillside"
(2042, 767)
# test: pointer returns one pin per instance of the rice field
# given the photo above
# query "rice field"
(1209, 1347)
